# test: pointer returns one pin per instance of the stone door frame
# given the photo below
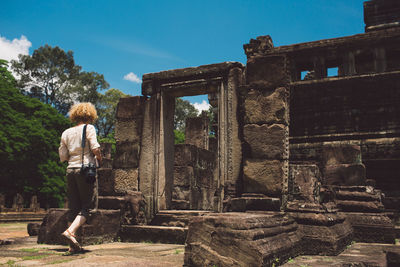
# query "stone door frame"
(156, 162)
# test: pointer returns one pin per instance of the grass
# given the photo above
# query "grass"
(30, 249)
(10, 263)
(177, 251)
(36, 257)
(60, 261)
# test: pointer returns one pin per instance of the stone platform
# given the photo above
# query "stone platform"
(241, 239)
(6, 217)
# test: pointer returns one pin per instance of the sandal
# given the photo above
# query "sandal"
(71, 239)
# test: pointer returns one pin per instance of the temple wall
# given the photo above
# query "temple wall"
(360, 110)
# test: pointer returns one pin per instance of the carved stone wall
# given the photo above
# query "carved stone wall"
(265, 113)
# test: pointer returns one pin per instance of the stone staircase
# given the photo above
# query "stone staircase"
(168, 226)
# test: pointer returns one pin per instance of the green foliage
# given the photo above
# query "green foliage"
(179, 137)
(29, 138)
(106, 109)
(52, 76)
(183, 110)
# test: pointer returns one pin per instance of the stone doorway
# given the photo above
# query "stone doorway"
(157, 156)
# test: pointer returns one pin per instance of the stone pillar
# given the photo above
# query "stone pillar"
(156, 164)
(18, 203)
(2, 202)
(166, 152)
(147, 163)
(229, 142)
(35, 205)
(196, 131)
(123, 177)
(266, 125)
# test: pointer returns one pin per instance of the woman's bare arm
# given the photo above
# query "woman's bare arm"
(97, 153)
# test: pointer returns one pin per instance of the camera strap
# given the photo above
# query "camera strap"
(83, 141)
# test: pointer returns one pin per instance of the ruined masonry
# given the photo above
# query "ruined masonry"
(304, 157)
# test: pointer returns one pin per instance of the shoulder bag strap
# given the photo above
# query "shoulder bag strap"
(83, 140)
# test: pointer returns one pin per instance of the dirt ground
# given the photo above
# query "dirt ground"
(24, 251)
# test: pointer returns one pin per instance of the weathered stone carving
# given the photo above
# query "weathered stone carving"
(133, 209)
(240, 239)
(18, 202)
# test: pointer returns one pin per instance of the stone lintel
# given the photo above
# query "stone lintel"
(193, 74)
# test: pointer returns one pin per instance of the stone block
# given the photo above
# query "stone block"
(323, 233)
(54, 223)
(371, 227)
(105, 181)
(33, 229)
(359, 206)
(344, 174)
(185, 155)
(113, 182)
(266, 141)
(130, 107)
(241, 239)
(304, 182)
(180, 193)
(177, 204)
(381, 148)
(263, 176)
(268, 106)
(267, 71)
(125, 180)
(183, 175)
(128, 130)
(254, 203)
(126, 155)
(339, 153)
(102, 226)
(196, 131)
(133, 209)
(111, 202)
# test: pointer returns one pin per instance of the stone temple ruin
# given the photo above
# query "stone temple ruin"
(303, 162)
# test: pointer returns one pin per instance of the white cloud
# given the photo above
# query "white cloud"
(132, 77)
(201, 106)
(11, 49)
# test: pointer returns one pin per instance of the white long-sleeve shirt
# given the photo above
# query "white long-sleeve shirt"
(70, 146)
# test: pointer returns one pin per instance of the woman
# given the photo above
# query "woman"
(81, 195)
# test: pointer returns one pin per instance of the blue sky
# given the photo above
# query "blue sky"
(116, 38)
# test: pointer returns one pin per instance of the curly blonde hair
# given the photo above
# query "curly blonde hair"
(83, 112)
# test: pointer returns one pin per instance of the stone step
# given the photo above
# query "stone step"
(360, 206)
(177, 218)
(110, 202)
(102, 226)
(153, 234)
(21, 217)
(358, 196)
(254, 203)
(397, 231)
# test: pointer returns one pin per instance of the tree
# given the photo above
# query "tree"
(183, 109)
(29, 138)
(106, 108)
(52, 76)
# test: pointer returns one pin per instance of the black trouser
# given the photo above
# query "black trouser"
(82, 196)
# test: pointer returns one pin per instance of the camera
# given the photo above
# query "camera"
(89, 171)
